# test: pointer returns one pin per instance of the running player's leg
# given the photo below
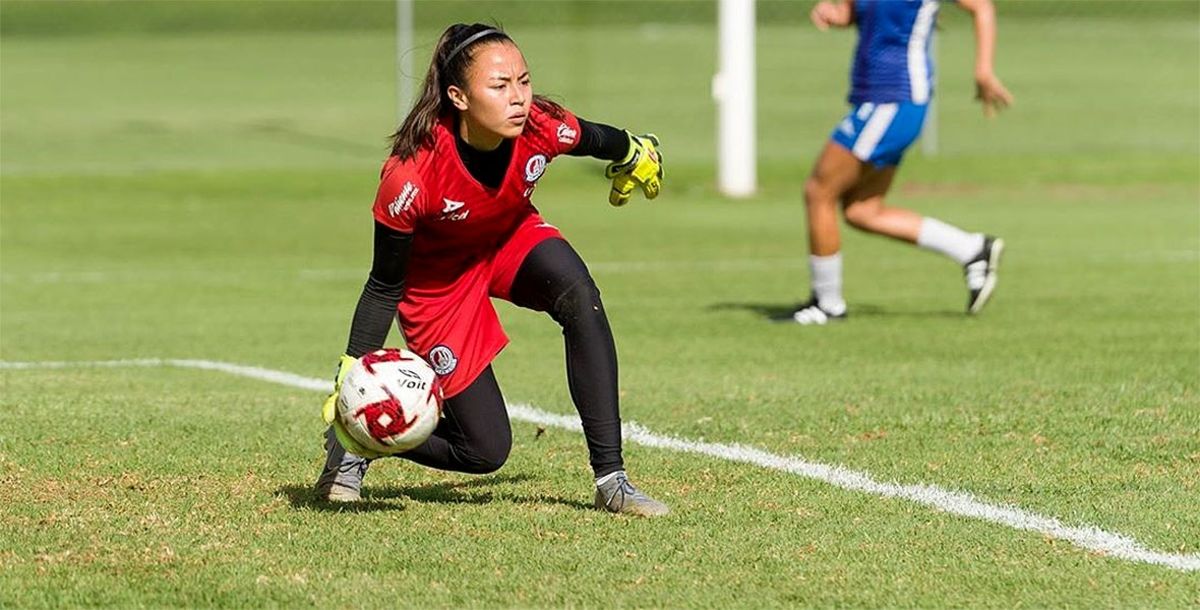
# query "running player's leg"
(835, 171)
(474, 435)
(865, 209)
(552, 278)
(978, 254)
(885, 134)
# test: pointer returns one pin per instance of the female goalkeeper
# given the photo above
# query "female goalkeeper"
(891, 85)
(454, 227)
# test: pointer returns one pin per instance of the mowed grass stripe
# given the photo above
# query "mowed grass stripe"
(1087, 537)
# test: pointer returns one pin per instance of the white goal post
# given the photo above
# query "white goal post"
(404, 64)
(733, 89)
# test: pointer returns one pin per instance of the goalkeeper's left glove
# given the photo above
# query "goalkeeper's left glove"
(641, 167)
(329, 412)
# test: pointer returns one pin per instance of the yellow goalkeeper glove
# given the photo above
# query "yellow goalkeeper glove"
(329, 408)
(329, 412)
(641, 167)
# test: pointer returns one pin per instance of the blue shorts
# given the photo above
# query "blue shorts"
(880, 133)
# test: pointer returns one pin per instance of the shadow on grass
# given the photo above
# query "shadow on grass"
(383, 497)
(875, 311)
(771, 311)
(303, 497)
(774, 312)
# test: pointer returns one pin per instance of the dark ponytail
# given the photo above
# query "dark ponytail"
(448, 66)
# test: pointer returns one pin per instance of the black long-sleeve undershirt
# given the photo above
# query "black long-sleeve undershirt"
(385, 286)
(600, 141)
(381, 294)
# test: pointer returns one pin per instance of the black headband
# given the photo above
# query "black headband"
(470, 39)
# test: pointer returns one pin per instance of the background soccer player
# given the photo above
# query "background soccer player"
(891, 85)
(454, 226)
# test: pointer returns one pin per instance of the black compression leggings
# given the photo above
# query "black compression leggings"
(475, 435)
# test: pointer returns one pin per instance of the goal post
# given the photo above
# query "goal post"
(404, 64)
(734, 91)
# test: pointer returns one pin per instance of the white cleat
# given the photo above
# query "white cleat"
(812, 314)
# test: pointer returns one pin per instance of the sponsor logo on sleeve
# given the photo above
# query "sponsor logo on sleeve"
(566, 135)
(404, 200)
(535, 167)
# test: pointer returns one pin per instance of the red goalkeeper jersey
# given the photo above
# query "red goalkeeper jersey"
(468, 241)
(453, 218)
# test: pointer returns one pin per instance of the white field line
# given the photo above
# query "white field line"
(1086, 537)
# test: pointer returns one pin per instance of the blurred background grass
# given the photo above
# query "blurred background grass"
(190, 85)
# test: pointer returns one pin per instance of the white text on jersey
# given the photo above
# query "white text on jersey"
(450, 212)
(404, 200)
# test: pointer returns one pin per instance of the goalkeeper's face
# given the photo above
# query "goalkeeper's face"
(495, 103)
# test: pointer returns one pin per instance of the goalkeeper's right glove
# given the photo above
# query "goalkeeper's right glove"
(642, 166)
(329, 412)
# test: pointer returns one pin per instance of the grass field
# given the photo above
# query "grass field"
(204, 195)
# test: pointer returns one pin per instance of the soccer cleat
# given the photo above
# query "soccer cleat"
(618, 495)
(981, 273)
(341, 478)
(812, 314)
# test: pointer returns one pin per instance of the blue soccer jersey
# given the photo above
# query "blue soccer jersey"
(892, 62)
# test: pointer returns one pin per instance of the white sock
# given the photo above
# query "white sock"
(608, 477)
(827, 282)
(949, 240)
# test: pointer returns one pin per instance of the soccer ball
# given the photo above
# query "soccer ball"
(390, 401)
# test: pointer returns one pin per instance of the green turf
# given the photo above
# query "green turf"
(204, 194)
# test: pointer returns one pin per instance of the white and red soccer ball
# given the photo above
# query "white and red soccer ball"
(390, 401)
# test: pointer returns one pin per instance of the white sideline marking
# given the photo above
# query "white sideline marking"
(1086, 537)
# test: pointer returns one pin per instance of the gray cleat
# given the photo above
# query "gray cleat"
(341, 479)
(618, 495)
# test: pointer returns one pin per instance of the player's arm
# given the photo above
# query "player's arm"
(376, 305)
(600, 141)
(635, 160)
(381, 294)
(988, 89)
(832, 13)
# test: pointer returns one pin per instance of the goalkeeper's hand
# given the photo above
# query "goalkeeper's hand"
(329, 412)
(641, 167)
(329, 408)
